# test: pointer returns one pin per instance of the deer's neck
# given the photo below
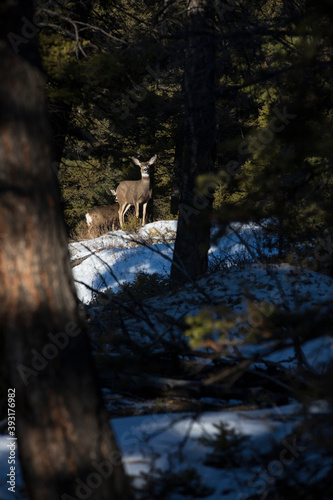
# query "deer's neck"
(145, 179)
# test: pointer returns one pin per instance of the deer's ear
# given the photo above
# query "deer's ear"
(136, 161)
(152, 160)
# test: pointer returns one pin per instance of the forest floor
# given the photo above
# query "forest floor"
(212, 389)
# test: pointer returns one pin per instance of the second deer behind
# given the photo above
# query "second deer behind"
(135, 192)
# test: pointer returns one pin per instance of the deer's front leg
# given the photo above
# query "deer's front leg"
(144, 207)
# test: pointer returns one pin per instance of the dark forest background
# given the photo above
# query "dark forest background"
(115, 83)
(236, 100)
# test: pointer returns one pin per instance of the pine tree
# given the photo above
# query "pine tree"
(190, 259)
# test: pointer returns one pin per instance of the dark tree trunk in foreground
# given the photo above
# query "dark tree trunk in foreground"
(177, 172)
(190, 259)
(66, 445)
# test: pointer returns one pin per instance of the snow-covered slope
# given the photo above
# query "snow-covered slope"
(118, 256)
(281, 286)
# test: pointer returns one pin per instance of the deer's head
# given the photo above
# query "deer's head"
(145, 165)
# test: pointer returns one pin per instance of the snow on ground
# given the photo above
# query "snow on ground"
(158, 436)
(117, 257)
(111, 267)
(280, 286)
(156, 441)
(155, 444)
(157, 231)
(284, 286)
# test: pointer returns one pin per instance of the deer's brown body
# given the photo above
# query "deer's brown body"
(104, 217)
(135, 193)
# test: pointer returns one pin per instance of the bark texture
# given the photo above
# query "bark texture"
(61, 424)
(193, 235)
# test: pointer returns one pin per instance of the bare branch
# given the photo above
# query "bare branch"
(75, 25)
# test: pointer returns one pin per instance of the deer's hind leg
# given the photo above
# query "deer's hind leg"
(126, 207)
(121, 214)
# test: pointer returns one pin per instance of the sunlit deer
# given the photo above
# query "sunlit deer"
(135, 192)
(103, 217)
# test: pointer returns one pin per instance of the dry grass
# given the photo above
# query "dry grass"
(82, 232)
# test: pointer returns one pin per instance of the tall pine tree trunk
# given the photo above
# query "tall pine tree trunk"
(177, 172)
(190, 259)
(66, 445)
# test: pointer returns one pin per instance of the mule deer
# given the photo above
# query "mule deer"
(103, 217)
(135, 192)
